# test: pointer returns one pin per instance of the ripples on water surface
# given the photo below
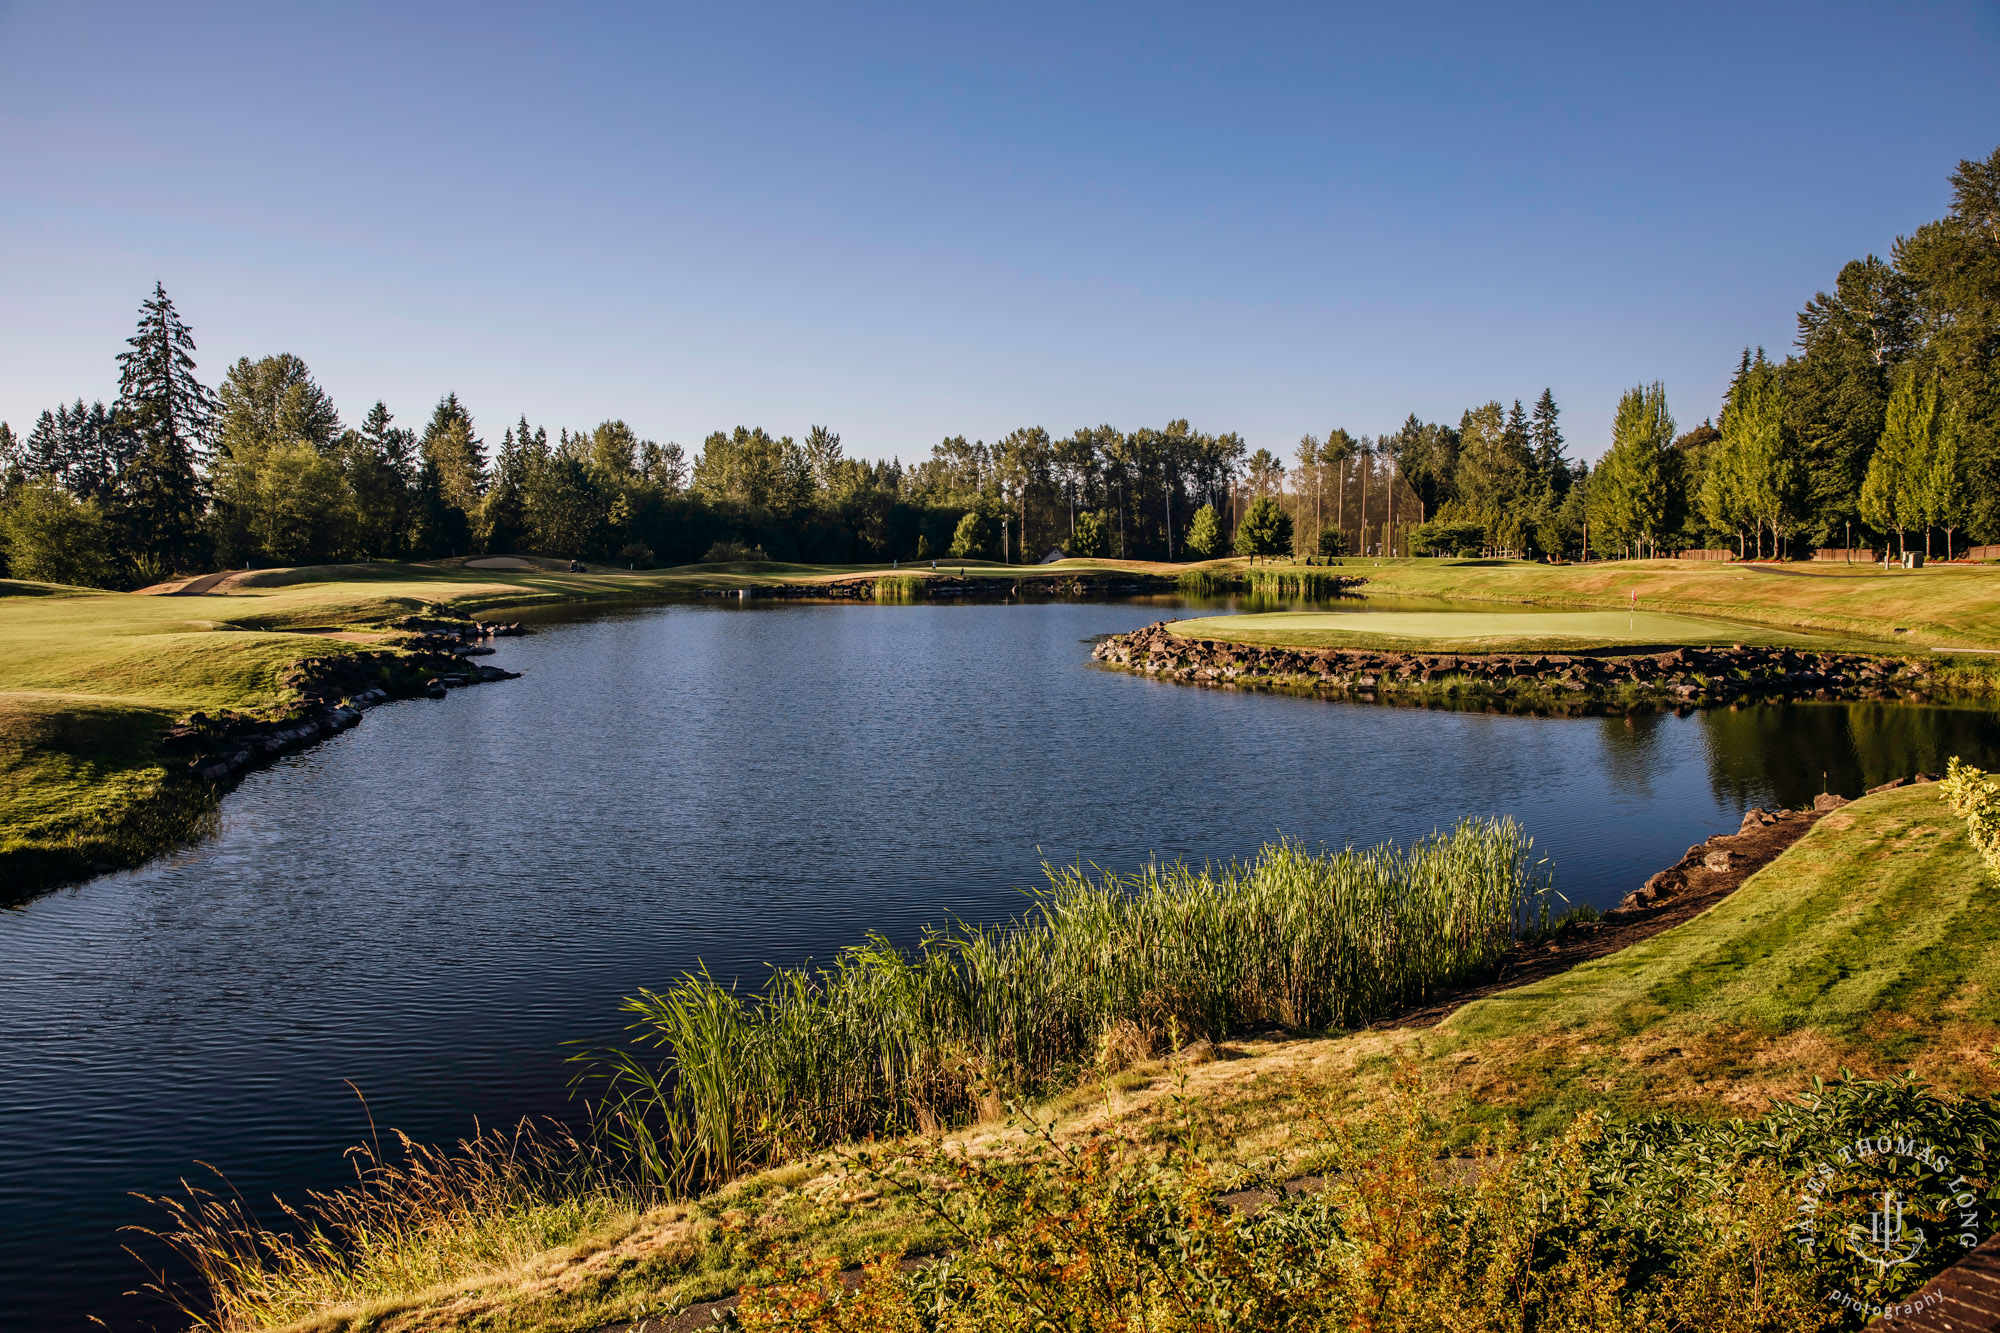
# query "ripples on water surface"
(432, 903)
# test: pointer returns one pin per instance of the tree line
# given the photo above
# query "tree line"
(1881, 428)
(264, 470)
(1883, 425)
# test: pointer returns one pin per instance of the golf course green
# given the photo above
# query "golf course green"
(1484, 630)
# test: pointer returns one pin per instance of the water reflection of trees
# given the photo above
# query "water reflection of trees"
(1792, 752)
(1631, 751)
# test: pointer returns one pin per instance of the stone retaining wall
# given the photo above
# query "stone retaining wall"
(1691, 677)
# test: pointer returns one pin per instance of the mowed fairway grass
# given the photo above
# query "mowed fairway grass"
(89, 680)
(1942, 607)
(1478, 630)
(1873, 944)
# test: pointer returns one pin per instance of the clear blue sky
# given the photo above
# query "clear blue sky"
(941, 219)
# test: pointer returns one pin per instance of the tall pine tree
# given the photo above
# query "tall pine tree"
(171, 415)
(82, 449)
(1547, 437)
(450, 444)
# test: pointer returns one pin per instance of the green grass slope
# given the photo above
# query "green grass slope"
(1940, 607)
(1873, 944)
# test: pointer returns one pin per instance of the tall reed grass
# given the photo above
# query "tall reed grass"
(899, 588)
(1209, 582)
(1294, 582)
(714, 1081)
(422, 1215)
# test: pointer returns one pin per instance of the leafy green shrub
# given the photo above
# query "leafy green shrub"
(1974, 797)
(49, 536)
(973, 539)
(1446, 535)
(1332, 541)
(1091, 538)
(1398, 1238)
(1654, 1168)
(729, 551)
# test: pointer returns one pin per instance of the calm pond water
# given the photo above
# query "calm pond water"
(431, 904)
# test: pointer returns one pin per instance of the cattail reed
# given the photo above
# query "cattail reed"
(716, 1081)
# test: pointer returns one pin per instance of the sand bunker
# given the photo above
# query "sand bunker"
(500, 562)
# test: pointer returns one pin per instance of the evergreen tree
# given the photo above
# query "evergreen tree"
(1953, 270)
(1893, 493)
(1495, 473)
(1764, 467)
(377, 461)
(12, 449)
(268, 410)
(85, 450)
(1946, 496)
(504, 520)
(1427, 457)
(452, 446)
(568, 499)
(1204, 534)
(1635, 497)
(1519, 438)
(664, 465)
(1837, 386)
(615, 449)
(823, 456)
(1547, 440)
(171, 415)
(269, 402)
(394, 446)
(1266, 529)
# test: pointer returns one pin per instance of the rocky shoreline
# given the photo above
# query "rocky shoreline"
(333, 692)
(1676, 678)
(1736, 855)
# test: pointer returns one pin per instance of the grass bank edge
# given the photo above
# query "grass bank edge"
(1715, 1018)
(91, 681)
